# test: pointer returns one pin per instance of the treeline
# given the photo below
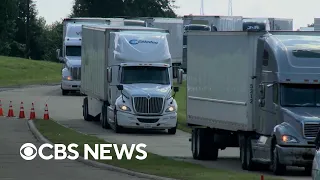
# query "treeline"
(24, 34)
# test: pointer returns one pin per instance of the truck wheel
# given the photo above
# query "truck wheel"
(64, 92)
(194, 144)
(85, 111)
(243, 150)
(172, 130)
(205, 147)
(249, 163)
(104, 118)
(117, 128)
(277, 168)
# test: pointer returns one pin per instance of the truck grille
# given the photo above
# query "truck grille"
(311, 129)
(144, 105)
(76, 73)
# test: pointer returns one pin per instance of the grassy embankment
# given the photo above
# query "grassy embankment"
(17, 71)
(182, 106)
(154, 164)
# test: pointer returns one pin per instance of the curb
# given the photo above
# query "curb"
(92, 163)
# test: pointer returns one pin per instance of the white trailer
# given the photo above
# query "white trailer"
(175, 27)
(126, 75)
(316, 24)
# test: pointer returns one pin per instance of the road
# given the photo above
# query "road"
(14, 133)
(67, 110)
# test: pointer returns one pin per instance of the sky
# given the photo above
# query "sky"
(53, 10)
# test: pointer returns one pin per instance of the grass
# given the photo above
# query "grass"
(181, 98)
(17, 71)
(154, 164)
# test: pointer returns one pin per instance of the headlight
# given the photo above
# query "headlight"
(289, 139)
(171, 109)
(68, 78)
(124, 108)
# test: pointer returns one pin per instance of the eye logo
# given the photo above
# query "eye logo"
(28, 151)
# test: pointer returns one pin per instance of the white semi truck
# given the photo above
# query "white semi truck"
(127, 77)
(207, 23)
(255, 90)
(270, 24)
(71, 50)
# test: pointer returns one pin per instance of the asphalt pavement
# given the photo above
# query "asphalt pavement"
(14, 133)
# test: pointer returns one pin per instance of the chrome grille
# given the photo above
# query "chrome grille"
(76, 73)
(311, 129)
(144, 105)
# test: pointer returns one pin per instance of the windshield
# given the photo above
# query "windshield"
(197, 28)
(300, 95)
(306, 53)
(73, 51)
(145, 74)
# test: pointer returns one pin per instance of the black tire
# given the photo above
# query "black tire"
(86, 115)
(308, 170)
(117, 129)
(251, 166)
(277, 167)
(64, 92)
(194, 144)
(173, 130)
(205, 147)
(104, 117)
(243, 150)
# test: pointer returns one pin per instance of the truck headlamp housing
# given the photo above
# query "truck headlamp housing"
(68, 78)
(289, 139)
(124, 108)
(171, 109)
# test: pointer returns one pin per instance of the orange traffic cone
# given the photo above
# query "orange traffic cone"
(1, 110)
(32, 113)
(21, 113)
(10, 112)
(46, 113)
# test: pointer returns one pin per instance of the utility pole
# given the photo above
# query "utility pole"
(27, 28)
(230, 8)
(201, 8)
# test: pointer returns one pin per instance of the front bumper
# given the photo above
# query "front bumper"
(127, 120)
(70, 85)
(296, 156)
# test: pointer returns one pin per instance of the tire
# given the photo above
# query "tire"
(277, 168)
(104, 117)
(86, 115)
(117, 129)
(205, 147)
(172, 131)
(64, 92)
(243, 150)
(308, 170)
(194, 144)
(251, 166)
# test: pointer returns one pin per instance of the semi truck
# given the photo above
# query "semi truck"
(207, 23)
(175, 27)
(258, 91)
(127, 77)
(270, 24)
(71, 50)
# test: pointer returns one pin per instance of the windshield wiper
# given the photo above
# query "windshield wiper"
(301, 105)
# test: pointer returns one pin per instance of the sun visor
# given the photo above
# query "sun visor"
(149, 47)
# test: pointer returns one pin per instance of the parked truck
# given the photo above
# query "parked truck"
(127, 77)
(175, 27)
(207, 23)
(270, 24)
(255, 90)
(71, 50)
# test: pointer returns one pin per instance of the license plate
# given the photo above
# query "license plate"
(147, 126)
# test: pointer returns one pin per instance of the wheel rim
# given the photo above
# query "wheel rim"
(193, 144)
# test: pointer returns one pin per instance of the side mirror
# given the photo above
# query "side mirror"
(176, 89)
(180, 76)
(262, 91)
(58, 54)
(109, 75)
(120, 87)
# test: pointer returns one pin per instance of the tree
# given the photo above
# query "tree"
(8, 14)
(133, 8)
